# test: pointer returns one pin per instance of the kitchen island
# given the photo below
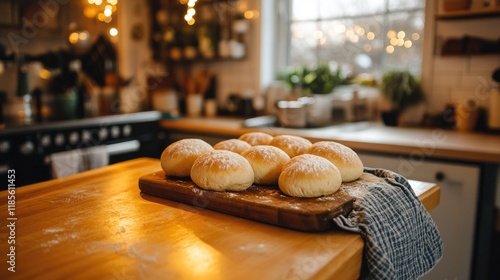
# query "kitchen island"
(464, 164)
(98, 225)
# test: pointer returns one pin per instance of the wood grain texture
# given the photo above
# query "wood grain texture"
(366, 137)
(260, 203)
(98, 225)
(428, 193)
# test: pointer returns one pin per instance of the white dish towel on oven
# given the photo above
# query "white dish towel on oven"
(74, 161)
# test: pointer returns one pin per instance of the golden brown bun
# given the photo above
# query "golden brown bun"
(256, 138)
(290, 144)
(222, 170)
(178, 157)
(309, 176)
(346, 160)
(234, 145)
(267, 162)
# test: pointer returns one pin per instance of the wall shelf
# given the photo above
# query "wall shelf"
(468, 14)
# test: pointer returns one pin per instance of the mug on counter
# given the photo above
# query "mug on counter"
(194, 105)
(466, 114)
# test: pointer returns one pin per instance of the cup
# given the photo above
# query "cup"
(194, 105)
(467, 114)
(210, 108)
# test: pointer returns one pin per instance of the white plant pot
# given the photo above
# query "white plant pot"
(320, 112)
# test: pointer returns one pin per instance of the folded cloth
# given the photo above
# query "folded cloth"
(93, 157)
(74, 161)
(401, 239)
(64, 163)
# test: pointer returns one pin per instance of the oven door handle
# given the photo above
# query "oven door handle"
(123, 147)
(116, 149)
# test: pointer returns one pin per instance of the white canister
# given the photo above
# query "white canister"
(194, 105)
(320, 112)
(292, 113)
(494, 110)
(210, 108)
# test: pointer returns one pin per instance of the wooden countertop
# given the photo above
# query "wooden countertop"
(97, 225)
(367, 137)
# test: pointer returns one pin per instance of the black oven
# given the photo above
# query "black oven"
(26, 148)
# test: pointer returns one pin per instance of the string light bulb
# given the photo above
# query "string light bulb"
(101, 10)
(190, 12)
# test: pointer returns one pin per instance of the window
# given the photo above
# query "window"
(361, 36)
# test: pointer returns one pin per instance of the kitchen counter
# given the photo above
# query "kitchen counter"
(366, 136)
(97, 225)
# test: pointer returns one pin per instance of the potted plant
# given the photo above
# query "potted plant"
(318, 82)
(403, 90)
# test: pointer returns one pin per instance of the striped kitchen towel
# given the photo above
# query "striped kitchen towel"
(401, 239)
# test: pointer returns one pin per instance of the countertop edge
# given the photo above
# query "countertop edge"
(413, 142)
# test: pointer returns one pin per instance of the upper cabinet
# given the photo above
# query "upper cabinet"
(185, 31)
(467, 27)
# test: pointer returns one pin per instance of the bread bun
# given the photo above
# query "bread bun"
(234, 145)
(290, 144)
(256, 138)
(266, 162)
(222, 170)
(309, 176)
(346, 160)
(178, 157)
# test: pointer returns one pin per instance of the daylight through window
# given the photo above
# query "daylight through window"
(362, 36)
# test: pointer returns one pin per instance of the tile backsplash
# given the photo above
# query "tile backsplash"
(456, 79)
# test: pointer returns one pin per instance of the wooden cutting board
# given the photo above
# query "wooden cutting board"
(260, 203)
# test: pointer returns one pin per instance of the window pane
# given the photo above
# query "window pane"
(361, 36)
(342, 8)
(305, 10)
(303, 43)
(407, 4)
(406, 41)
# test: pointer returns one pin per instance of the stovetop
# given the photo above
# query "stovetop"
(18, 127)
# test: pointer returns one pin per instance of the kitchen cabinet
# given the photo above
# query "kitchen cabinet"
(456, 214)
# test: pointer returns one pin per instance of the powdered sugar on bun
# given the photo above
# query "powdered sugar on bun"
(234, 145)
(222, 170)
(309, 176)
(256, 138)
(346, 160)
(291, 144)
(267, 162)
(178, 157)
